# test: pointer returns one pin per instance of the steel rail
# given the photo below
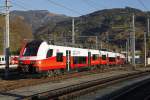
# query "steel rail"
(84, 87)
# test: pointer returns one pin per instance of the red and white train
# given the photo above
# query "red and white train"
(12, 60)
(39, 56)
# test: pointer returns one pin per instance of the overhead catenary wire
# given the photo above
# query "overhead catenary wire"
(127, 2)
(144, 6)
(89, 4)
(94, 3)
(2, 13)
(67, 8)
(2, 8)
(25, 4)
(145, 37)
(19, 5)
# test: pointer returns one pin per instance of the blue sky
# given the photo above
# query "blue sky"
(74, 7)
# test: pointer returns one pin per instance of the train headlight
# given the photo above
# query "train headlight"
(39, 62)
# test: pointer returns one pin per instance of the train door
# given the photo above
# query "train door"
(0, 60)
(68, 60)
(107, 59)
(89, 58)
(100, 58)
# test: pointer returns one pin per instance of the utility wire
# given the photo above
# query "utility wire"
(17, 4)
(60, 5)
(128, 3)
(2, 13)
(94, 3)
(89, 4)
(143, 4)
(25, 4)
(1, 9)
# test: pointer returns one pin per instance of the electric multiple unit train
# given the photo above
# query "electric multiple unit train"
(12, 60)
(38, 56)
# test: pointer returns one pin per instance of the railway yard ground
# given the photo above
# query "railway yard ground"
(73, 85)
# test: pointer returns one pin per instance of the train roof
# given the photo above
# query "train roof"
(83, 50)
(111, 54)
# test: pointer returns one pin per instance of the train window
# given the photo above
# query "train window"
(79, 60)
(59, 57)
(103, 57)
(111, 59)
(49, 53)
(95, 57)
(32, 48)
(82, 60)
(3, 59)
(0, 59)
(118, 57)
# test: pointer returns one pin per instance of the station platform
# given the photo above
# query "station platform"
(19, 93)
(11, 66)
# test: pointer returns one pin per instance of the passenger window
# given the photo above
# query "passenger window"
(111, 59)
(2, 59)
(95, 57)
(59, 57)
(49, 53)
(118, 57)
(103, 57)
(79, 60)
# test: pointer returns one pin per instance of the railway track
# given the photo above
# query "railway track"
(137, 91)
(72, 91)
(16, 80)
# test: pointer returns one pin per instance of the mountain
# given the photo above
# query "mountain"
(19, 30)
(108, 24)
(113, 24)
(38, 18)
(23, 25)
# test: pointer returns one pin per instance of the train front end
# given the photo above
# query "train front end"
(31, 55)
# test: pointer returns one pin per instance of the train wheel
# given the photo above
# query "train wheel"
(25, 69)
(98, 67)
(62, 71)
(102, 68)
(92, 68)
(57, 72)
(50, 73)
(19, 70)
(31, 69)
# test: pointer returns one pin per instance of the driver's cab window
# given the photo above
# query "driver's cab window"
(49, 53)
